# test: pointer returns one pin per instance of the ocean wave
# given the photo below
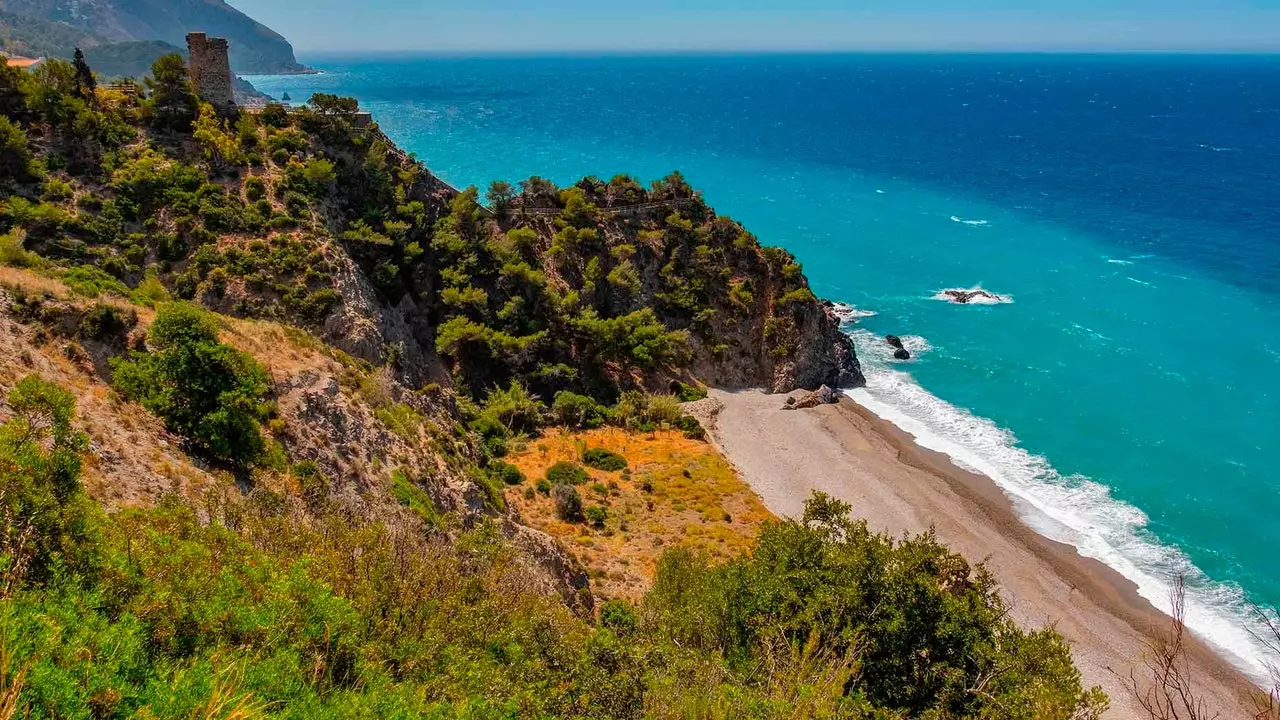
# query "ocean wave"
(848, 314)
(1114, 261)
(1074, 510)
(972, 223)
(989, 298)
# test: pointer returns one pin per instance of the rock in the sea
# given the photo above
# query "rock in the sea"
(894, 341)
(901, 354)
(964, 297)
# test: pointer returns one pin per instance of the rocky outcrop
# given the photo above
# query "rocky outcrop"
(900, 352)
(561, 573)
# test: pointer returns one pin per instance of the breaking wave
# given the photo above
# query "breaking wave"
(1074, 510)
(973, 223)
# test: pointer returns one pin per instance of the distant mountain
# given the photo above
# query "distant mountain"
(46, 27)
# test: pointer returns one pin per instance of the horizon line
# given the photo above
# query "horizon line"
(678, 52)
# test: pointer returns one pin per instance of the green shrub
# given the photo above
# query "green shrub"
(516, 408)
(11, 250)
(577, 411)
(688, 393)
(602, 459)
(103, 320)
(567, 473)
(255, 188)
(568, 503)
(507, 473)
(413, 497)
(208, 392)
(91, 282)
(44, 516)
(543, 487)
(597, 515)
(619, 616)
(691, 428)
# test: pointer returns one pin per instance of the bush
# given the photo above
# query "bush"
(516, 408)
(688, 393)
(597, 516)
(507, 473)
(691, 428)
(255, 188)
(43, 513)
(577, 411)
(602, 459)
(103, 320)
(567, 473)
(568, 503)
(543, 487)
(208, 392)
(618, 616)
(12, 252)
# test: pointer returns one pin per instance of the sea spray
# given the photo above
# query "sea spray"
(1076, 511)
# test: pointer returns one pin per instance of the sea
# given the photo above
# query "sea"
(1126, 391)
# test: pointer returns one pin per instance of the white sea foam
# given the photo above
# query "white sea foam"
(963, 221)
(1074, 510)
(980, 300)
(1114, 261)
(848, 314)
(1140, 282)
(879, 192)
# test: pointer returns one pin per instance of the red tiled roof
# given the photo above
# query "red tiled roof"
(22, 62)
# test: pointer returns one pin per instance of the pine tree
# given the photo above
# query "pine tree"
(86, 84)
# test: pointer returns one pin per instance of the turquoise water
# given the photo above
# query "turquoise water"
(1126, 397)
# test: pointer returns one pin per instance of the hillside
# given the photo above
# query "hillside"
(281, 421)
(54, 28)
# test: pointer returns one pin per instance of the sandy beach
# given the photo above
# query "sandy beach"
(899, 487)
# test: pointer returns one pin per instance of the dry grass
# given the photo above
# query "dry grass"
(677, 492)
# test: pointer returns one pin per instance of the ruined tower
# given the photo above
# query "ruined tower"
(211, 71)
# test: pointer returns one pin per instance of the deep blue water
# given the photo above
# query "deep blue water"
(1130, 205)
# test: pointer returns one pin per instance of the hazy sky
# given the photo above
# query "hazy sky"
(715, 25)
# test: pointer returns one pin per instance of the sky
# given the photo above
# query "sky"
(613, 26)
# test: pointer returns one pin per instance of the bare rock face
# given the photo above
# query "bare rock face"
(561, 573)
(357, 451)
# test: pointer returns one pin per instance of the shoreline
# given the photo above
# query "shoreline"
(901, 487)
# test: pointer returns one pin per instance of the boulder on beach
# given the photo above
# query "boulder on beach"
(824, 395)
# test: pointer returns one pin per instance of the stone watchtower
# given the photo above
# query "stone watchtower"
(211, 71)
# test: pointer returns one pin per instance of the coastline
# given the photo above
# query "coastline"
(899, 487)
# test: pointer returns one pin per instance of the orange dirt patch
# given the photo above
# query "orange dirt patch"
(675, 492)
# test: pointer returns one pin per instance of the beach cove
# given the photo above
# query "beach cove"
(899, 487)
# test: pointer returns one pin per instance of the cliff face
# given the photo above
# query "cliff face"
(747, 313)
(255, 48)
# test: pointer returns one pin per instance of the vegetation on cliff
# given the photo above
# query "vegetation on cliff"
(346, 347)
